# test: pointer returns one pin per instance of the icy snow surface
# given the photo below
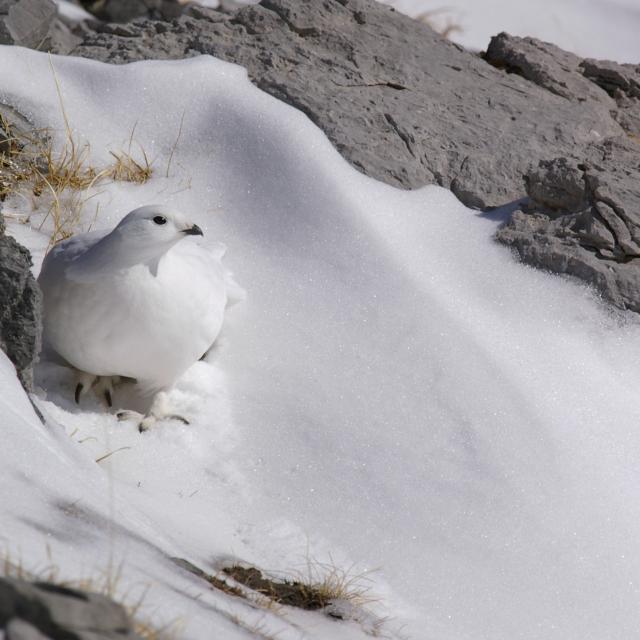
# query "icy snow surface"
(396, 392)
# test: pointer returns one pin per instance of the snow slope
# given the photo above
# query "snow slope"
(396, 392)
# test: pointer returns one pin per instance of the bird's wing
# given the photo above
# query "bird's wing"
(64, 253)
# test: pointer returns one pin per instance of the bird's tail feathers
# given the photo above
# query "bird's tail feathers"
(235, 293)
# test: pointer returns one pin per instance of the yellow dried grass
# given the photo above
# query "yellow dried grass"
(32, 166)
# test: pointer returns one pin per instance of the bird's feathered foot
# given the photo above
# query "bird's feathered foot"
(102, 386)
(146, 422)
(150, 421)
(84, 382)
(159, 411)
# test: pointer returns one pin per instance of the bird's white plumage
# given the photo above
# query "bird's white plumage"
(145, 301)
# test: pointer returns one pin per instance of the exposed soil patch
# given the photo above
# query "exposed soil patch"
(290, 592)
(311, 596)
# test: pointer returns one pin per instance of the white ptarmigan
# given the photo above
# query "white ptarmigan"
(141, 301)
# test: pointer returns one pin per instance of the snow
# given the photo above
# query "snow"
(396, 393)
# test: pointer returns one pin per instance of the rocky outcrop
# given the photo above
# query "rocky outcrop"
(399, 101)
(583, 220)
(35, 24)
(26, 22)
(616, 87)
(583, 213)
(622, 83)
(45, 611)
(20, 300)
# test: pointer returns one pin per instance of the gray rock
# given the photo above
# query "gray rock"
(546, 65)
(20, 298)
(18, 629)
(400, 102)
(615, 86)
(20, 304)
(583, 219)
(26, 22)
(557, 186)
(60, 613)
(35, 24)
(127, 10)
(584, 209)
(550, 244)
(63, 38)
(622, 83)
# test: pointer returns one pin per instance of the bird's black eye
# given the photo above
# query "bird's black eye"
(160, 220)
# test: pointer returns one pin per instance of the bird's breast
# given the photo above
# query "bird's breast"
(145, 323)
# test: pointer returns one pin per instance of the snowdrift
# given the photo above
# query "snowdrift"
(396, 393)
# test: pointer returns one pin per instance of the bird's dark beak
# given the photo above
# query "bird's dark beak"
(193, 231)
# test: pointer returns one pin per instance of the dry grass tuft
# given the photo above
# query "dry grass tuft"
(33, 168)
(287, 592)
(333, 583)
(127, 169)
(61, 179)
(342, 594)
(318, 587)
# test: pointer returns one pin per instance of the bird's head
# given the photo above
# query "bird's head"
(142, 237)
(155, 228)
